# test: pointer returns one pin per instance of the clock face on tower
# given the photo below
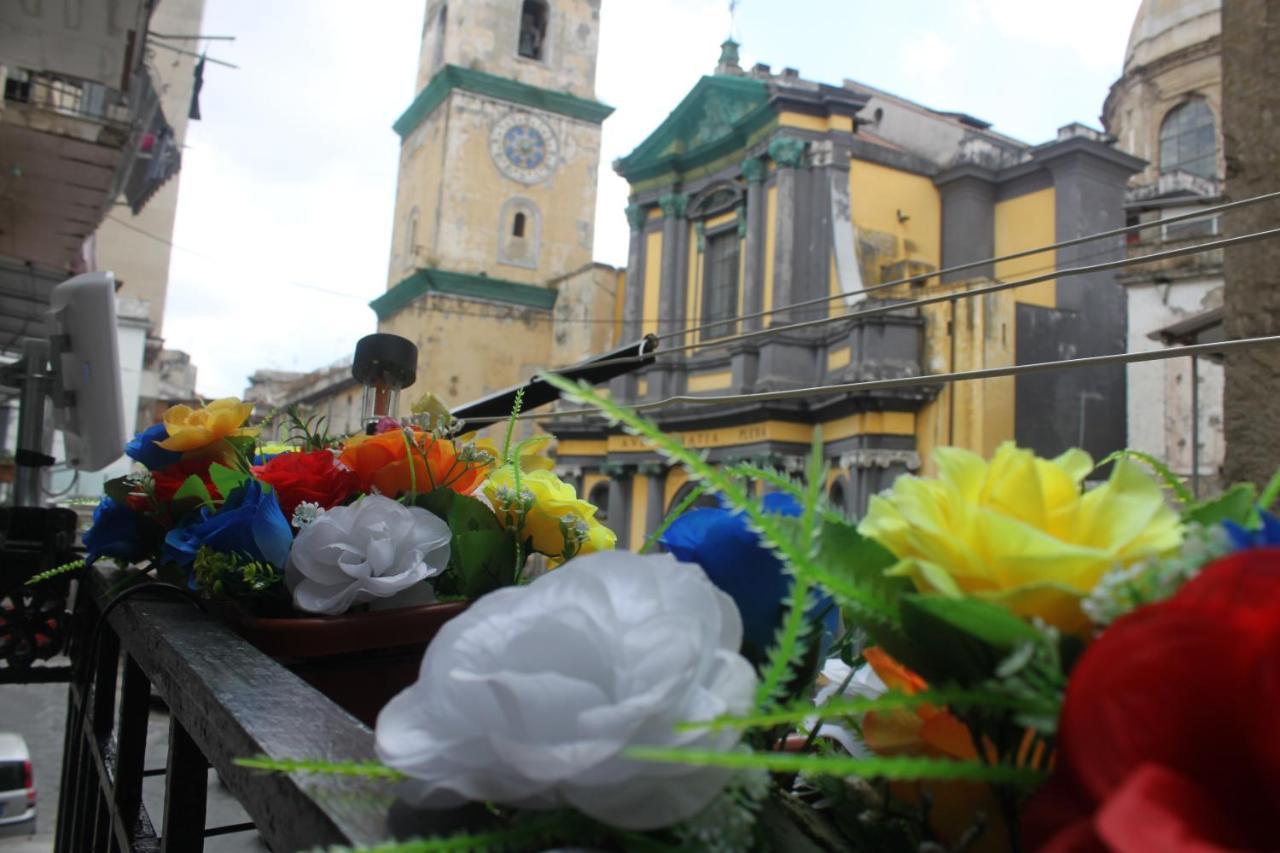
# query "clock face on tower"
(523, 147)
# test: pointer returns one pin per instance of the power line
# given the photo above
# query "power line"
(922, 277)
(915, 381)
(891, 307)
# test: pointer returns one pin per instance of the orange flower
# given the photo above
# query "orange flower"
(382, 462)
(929, 731)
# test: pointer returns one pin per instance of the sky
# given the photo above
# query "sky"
(288, 182)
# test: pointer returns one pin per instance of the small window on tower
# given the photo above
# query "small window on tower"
(517, 226)
(533, 28)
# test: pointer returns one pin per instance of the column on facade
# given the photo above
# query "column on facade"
(624, 387)
(654, 511)
(968, 195)
(754, 171)
(788, 153)
(619, 503)
(671, 296)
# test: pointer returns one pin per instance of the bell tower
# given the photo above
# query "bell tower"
(495, 203)
(499, 149)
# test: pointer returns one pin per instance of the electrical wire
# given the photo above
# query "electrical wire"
(923, 381)
(892, 307)
(922, 277)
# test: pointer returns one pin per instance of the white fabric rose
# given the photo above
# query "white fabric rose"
(531, 696)
(371, 549)
(864, 684)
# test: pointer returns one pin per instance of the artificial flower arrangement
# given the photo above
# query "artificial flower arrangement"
(321, 525)
(995, 658)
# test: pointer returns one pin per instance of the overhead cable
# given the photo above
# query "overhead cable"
(922, 381)
(891, 307)
(922, 277)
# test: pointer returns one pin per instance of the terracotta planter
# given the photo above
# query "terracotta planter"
(359, 660)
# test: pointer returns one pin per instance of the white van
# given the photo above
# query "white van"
(17, 787)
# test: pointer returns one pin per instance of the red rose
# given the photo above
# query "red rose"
(313, 476)
(170, 479)
(1168, 738)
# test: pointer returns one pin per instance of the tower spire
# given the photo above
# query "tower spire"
(728, 63)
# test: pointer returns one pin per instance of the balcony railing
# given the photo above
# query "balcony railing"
(64, 95)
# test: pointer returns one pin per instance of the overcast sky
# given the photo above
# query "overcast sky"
(288, 183)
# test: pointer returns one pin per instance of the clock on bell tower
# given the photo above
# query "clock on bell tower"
(500, 148)
(497, 182)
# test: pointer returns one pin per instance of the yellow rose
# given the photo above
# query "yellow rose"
(191, 429)
(553, 509)
(1018, 531)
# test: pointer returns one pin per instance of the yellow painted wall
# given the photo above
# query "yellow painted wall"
(770, 230)
(652, 281)
(820, 124)
(868, 423)
(877, 193)
(676, 477)
(506, 345)
(839, 357)
(983, 410)
(639, 504)
(1023, 223)
(581, 447)
(710, 381)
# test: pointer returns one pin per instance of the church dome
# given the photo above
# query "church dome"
(1164, 27)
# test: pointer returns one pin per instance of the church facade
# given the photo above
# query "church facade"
(764, 190)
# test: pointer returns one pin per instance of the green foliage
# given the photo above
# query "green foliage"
(902, 767)
(676, 511)
(308, 433)
(194, 490)
(360, 769)
(537, 832)
(1238, 503)
(226, 480)
(56, 571)
(1270, 492)
(482, 555)
(234, 577)
(795, 554)
(958, 640)
(785, 656)
(955, 698)
(1171, 480)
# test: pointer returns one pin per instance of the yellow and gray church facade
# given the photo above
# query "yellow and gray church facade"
(764, 190)
(760, 190)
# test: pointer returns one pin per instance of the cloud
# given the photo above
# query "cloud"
(927, 57)
(1073, 27)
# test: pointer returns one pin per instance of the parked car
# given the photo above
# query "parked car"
(17, 787)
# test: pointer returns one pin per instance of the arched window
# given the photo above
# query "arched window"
(1187, 140)
(600, 497)
(519, 233)
(837, 496)
(411, 239)
(533, 29)
(704, 500)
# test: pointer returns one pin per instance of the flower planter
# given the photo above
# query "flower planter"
(359, 660)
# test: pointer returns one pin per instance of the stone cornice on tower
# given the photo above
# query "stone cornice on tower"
(452, 77)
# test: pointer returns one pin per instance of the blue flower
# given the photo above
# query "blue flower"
(1243, 538)
(114, 534)
(144, 449)
(249, 523)
(734, 559)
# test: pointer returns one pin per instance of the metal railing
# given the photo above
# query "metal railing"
(65, 95)
(225, 700)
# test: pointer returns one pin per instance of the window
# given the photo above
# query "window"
(837, 498)
(1187, 140)
(517, 226)
(533, 29)
(720, 283)
(519, 233)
